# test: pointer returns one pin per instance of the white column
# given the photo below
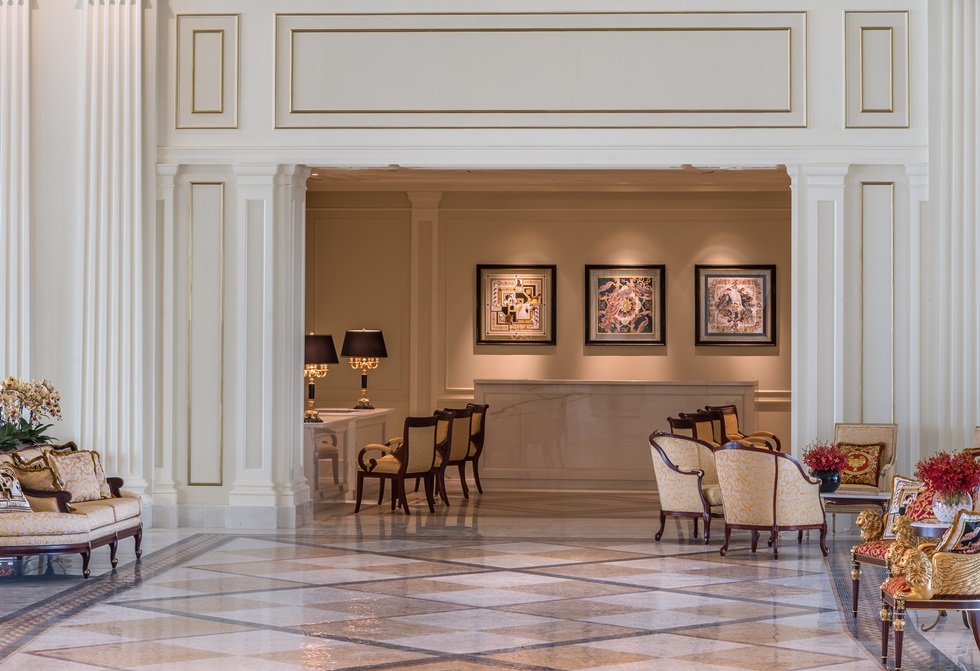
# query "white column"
(818, 279)
(285, 352)
(423, 391)
(250, 315)
(909, 399)
(951, 245)
(111, 353)
(15, 48)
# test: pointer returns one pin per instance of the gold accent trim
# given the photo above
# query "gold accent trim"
(891, 283)
(804, 14)
(221, 335)
(901, 21)
(221, 72)
(891, 68)
(238, 71)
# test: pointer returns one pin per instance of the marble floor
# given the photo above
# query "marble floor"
(506, 580)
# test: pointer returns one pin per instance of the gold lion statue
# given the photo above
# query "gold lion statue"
(871, 524)
(905, 541)
(921, 576)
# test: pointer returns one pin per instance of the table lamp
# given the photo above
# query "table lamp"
(320, 353)
(365, 348)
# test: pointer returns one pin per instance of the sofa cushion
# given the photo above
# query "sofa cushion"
(77, 474)
(42, 524)
(124, 508)
(43, 504)
(11, 495)
(713, 494)
(98, 515)
(36, 474)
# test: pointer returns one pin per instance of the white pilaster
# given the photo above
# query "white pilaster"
(818, 348)
(252, 303)
(15, 46)
(909, 399)
(423, 392)
(951, 245)
(111, 394)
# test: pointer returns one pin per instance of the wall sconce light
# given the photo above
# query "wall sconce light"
(320, 353)
(365, 348)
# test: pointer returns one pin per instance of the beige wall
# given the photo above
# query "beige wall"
(349, 288)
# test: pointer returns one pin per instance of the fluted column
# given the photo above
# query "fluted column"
(111, 394)
(15, 45)
(951, 245)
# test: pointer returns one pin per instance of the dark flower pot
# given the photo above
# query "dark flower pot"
(829, 481)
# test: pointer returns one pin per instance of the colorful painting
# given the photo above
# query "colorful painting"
(735, 305)
(624, 305)
(515, 305)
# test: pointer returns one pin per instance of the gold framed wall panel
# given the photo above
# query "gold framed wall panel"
(206, 92)
(205, 334)
(561, 70)
(876, 70)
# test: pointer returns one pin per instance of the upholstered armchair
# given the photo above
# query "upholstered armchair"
(927, 576)
(871, 456)
(765, 490)
(413, 455)
(687, 481)
(875, 549)
(459, 449)
(727, 429)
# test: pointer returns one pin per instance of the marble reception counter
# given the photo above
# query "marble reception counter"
(587, 434)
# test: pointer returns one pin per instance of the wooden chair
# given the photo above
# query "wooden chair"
(765, 490)
(726, 417)
(687, 482)
(874, 548)
(412, 456)
(704, 427)
(459, 448)
(478, 428)
(943, 576)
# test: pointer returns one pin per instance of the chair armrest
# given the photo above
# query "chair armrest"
(61, 497)
(115, 484)
(885, 477)
(388, 448)
(767, 437)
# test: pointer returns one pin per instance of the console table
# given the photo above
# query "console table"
(588, 434)
(353, 429)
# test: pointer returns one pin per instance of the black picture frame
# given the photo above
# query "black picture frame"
(515, 304)
(625, 305)
(735, 305)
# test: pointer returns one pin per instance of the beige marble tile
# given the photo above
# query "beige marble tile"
(575, 609)
(409, 587)
(766, 658)
(376, 629)
(126, 655)
(163, 627)
(341, 656)
(760, 633)
(573, 658)
(565, 630)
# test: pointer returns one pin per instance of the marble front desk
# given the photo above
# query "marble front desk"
(587, 434)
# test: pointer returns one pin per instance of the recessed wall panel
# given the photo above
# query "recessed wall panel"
(878, 301)
(205, 332)
(207, 71)
(876, 46)
(541, 70)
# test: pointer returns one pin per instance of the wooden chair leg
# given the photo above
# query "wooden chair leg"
(799, 537)
(86, 558)
(707, 528)
(428, 492)
(663, 523)
(855, 586)
(381, 490)
(728, 538)
(695, 527)
(139, 541)
(113, 546)
(402, 495)
(462, 479)
(396, 489)
(823, 540)
(755, 540)
(898, 624)
(417, 483)
(360, 491)
(775, 543)
(476, 474)
(441, 479)
(973, 617)
(886, 620)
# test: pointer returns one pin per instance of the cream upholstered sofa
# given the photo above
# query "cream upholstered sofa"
(69, 511)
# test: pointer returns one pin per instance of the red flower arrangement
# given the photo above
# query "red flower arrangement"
(950, 475)
(823, 456)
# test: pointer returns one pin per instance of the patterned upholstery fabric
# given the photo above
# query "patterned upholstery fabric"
(476, 425)
(11, 495)
(921, 508)
(866, 434)
(42, 524)
(731, 426)
(876, 549)
(863, 463)
(421, 448)
(39, 540)
(797, 500)
(97, 514)
(895, 585)
(678, 492)
(747, 479)
(77, 474)
(387, 464)
(460, 445)
(43, 504)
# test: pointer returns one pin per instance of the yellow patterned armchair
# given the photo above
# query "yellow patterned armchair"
(687, 481)
(765, 490)
(934, 577)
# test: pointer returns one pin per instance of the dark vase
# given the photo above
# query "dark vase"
(829, 481)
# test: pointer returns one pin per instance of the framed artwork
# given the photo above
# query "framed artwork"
(735, 305)
(624, 305)
(515, 305)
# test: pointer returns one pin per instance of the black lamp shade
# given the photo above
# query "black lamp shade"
(319, 350)
(365, 344)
